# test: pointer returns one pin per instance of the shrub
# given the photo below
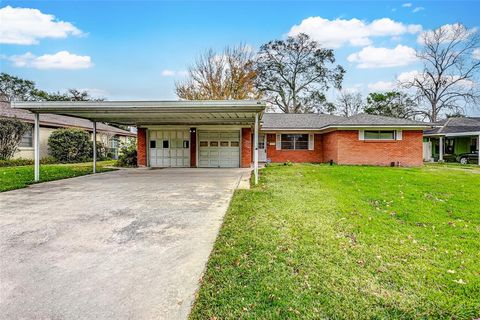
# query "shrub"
(15, 162)
(103, 152)
(26, 162)
(128, 155)
(11, 132)
(70, 145)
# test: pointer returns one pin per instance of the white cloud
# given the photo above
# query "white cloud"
(26, 26)
(59, 60)
(476, 54)
(407, 5)
(408, 76)
(450, 31)
(418, 9)
(172, 73)
(338, 32)
(381, 86)
(373, 57)
(168, 73)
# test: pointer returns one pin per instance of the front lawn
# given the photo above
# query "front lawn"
(348, 242)
(21, 176)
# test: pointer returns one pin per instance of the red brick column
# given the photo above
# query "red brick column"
(193, 147)
(142, 147)
(246, 155)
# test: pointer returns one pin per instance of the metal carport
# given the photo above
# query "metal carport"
(141, 113)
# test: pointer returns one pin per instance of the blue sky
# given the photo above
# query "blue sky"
(138, 49)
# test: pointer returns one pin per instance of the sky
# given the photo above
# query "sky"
(137, 50)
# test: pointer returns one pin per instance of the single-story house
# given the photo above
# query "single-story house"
(238, 133)
(109, 135)
(452, 137)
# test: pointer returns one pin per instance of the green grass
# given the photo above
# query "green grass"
(22, 176)
(348, 242)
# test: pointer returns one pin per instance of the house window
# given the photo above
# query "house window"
(449, 145)
(27, 139)
(114, 142)
(474, 144)
(379, 135)
(294, 141)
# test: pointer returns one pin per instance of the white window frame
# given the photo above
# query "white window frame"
(30, 130)
(310, 141)
(396, 135)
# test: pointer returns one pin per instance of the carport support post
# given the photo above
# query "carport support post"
(36, 139)
(255, 153)
(440, 149)
(94, 146)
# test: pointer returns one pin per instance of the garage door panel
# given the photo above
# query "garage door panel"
(219, 149)
(170, 150)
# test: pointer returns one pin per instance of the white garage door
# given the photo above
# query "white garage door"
(219, 149)
(169, 148)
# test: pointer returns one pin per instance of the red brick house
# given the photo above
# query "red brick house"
(362, 139)
(225, 133)
(317, 138)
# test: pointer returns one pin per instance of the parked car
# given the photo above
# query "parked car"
(471, 157)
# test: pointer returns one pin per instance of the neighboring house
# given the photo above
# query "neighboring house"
(221, 133)
(108, 135)
(452, 137)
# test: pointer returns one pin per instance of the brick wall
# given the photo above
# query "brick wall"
(351, 150)
(315, 155)
(142, 147)
(330, 147)
(246, 152)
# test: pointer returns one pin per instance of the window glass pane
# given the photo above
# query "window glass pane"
(287, 145)
(371, 135)
(379, 135)
(473, 145)
(294, 141)
(27, 140)
(387, 135)
(165, 144)
(301, 137)
(213, 143)
(186, 144)
(203, 143)
(301, 145)
(153, 144)
(223, 143)
(234, 143)
(287, 142)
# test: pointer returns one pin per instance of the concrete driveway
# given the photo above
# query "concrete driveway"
(130, 244)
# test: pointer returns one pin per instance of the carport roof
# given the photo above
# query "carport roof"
(153, 112)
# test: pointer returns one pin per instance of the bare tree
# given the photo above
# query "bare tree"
(225, 76)
(295, 73)
(449, 80)
(349, 103)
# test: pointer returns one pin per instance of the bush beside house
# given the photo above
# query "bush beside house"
(74, 145)
(128, 155)
(11, 132)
